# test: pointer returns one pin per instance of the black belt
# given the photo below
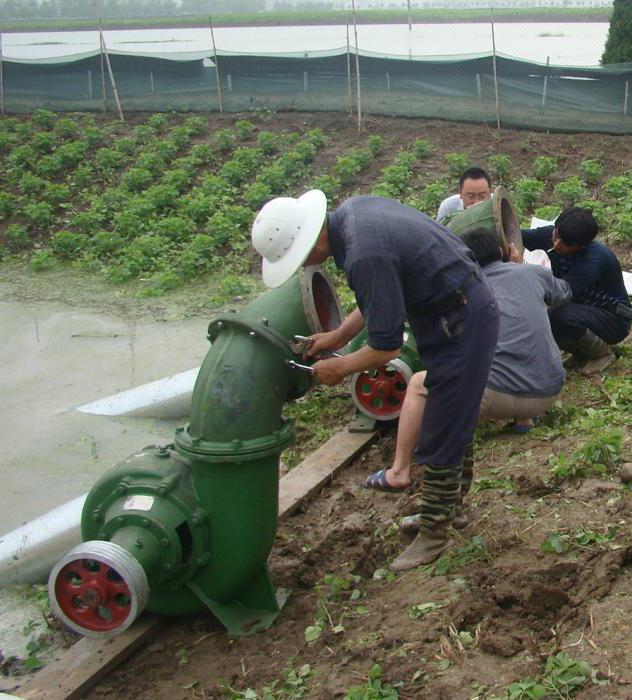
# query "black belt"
(454, 299)
(623, 310)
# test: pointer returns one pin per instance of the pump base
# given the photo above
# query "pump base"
(253, 611)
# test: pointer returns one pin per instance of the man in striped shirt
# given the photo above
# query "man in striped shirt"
(590, 324)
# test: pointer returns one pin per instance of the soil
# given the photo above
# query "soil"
(518, 603)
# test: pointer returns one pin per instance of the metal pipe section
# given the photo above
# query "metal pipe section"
(28, 553)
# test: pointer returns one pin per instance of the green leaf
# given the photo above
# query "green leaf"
(312, 633)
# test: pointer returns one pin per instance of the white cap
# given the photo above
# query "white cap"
(285, 232)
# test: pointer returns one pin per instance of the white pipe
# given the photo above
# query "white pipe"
(28, 553)
(169, 397)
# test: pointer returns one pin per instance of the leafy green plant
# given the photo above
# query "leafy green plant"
(125, 145)
(158, 122)
(108, 159)
(257, 194)
(423, 609)
(374, 144)
(55, 193)
(569, 191)
(328, 184)
(430, 198)
(244, 128)
(527, 192)
(43, 141)
(67, 128)
(374, 689)
(293, 686)
(591, 170)
(93, 135)
(458, 557)
(67, 244)
(39, 214)
(43, 260)
(136, 179)
(544, 167)
(599, 454)
(548, 212)
(43, 119)
(500, 166)
(618, 187)
(457, 163)
(16, 234)
(422, 148)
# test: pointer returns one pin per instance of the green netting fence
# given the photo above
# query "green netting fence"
(523, 94)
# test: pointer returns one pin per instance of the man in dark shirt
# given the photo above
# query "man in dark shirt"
(401, 266)
(589, 325)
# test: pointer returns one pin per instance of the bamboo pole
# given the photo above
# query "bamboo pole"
(410, 21)
(625, 99)
(546, 82)
(110, 73)
(495, 72)
(349, 92)
(1, 78)
(357, 62)
(218, 84)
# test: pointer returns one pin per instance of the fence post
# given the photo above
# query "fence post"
(1, 78)
(151, 81)
(546, 82)
(479, 87)
(625, 99)
(229, 82)
(388, 80)
(90, 89)
(304, 81)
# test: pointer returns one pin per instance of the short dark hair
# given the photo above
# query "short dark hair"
(484, 244)
(576, 226)
(474, 173)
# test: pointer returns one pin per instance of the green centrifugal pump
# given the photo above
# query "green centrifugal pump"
(189, 526)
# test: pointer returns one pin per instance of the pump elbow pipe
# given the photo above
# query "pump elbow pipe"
(189, 526)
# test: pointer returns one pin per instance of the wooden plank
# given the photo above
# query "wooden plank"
(319, 468)
(90, 660)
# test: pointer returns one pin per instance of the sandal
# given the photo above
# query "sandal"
(378, 481)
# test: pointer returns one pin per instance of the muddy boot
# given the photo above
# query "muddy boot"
(424, 549)
(460, 518)
(410, 523)
(441, 486)
(592, 353)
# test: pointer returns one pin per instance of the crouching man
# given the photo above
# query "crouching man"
(590, 324)
(401, 265)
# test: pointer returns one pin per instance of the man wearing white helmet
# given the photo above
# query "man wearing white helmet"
(402, 266)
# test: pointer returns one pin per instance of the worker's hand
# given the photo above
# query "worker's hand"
(328, 371)
(322, 342)
(515, 256)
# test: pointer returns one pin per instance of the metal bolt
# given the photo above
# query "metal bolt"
(145, 522)
(219, 325)
(121, 488)
(195, 520)
(264, 320)
(164, 542)
(252, 334)
(162, 490)
(138, 543)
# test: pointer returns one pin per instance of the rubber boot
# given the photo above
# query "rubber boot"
(441, 486)
(467, 475)
(592, 353)
(424, 549)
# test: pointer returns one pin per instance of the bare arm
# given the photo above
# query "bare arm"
(334, 340)
(334, 370)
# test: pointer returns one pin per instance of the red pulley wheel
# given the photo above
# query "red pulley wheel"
(379, 393)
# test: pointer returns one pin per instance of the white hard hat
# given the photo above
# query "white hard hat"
(284, 233)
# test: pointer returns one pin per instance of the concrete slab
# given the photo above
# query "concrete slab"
(54, 358)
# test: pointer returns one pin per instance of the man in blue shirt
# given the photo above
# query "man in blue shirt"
(590, 324)
(402, 266)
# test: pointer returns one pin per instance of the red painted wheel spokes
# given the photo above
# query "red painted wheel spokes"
(93, 595)
(381, 391)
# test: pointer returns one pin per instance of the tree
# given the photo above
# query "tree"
(619, 42)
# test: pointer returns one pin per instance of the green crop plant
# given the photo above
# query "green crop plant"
(348, 166)
(88, 222)
(422, 148)
(328, 184)
(7, 140)
(67, 244)
(201, 154)
(394, 178)
(591, 170)
(16, 234)
(457, 163)
(39, 214)
(375, 144)
(224, 139)
(622, 230)
(618, 187)
(151, 161)
(127, 224)
(544, 167)
(548, 212)
(42, 261)
(257, 194)
(136, 179)
(84, 177)
(197, 126)
(55, 193)
(527, 192)
(43, 119)
(49, 166)
(293, 686)
(158, 122)
(569, 191)
(316, 137)
(125, 145)
(166, 149)
(430, 198)
(7, 205)
(374, 689)
(216, 186)
(458, 557)
(180, 136)
(199, 206)
(105, 243)
(30, 183)
(599, 454)
(500, 166)
(179, 178)
(600, 211)
(230, 225)
(268, 142)
(143, 134)
(175, 228)
(67, 128)
(244, 128)
(43, 141)
(71, 154)
(22, 156)
(107, 159)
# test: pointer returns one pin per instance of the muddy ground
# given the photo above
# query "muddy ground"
(502, 605)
